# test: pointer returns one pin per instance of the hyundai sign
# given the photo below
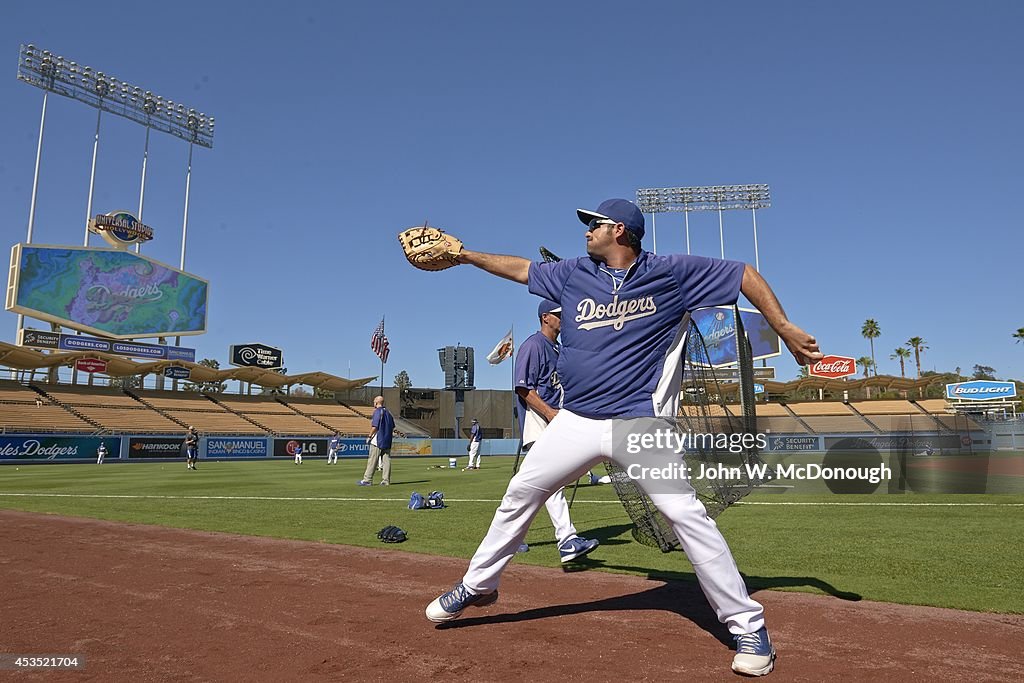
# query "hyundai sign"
(980, 390)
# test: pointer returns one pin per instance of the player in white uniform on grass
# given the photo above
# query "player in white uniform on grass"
(475, 437)
(540, 395)
(625, 315)
(333, 446)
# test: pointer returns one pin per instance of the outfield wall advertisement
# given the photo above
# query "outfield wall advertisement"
(156, 447)
(285, 448)
(107, 292)
(57, 448)
(794, 444)
(236, 447)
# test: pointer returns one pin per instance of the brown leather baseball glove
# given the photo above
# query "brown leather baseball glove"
(430, 248)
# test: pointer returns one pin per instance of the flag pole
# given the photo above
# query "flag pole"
(512, 383)
(383, 334)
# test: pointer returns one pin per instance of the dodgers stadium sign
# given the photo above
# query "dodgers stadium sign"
(718, 327)
(980, 390)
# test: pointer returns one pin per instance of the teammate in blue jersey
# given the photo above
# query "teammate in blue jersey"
(333, 446)
(540, 396)
(475, 439)
(380, 438)
(625, 314)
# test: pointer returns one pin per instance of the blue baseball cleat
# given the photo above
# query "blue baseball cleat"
(755, 655)
(576, 547)
(362, 482)
(450, 605)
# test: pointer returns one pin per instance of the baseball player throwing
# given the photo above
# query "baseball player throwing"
(625, 316)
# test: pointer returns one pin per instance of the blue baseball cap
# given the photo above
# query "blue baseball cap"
(619, 210)
(548, 307)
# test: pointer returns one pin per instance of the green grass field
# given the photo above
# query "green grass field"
(959, 551)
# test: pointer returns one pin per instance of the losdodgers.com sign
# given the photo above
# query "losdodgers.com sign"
(981, 390)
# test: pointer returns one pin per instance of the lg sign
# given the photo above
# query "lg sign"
(833, 367)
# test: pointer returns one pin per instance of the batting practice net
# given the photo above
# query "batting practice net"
(727, 443)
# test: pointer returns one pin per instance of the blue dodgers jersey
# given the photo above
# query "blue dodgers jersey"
(536, 362)
(621, 352)
(385, 425)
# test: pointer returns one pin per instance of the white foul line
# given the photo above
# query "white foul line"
(467, 500)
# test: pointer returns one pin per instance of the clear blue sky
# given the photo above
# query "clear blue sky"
(890, 134)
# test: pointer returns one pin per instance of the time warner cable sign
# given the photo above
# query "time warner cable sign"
(256, 356)
(980, 390)
(106, 292)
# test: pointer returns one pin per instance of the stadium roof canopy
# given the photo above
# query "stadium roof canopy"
(887, 382)
(22, 358)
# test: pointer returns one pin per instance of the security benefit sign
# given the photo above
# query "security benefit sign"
(980, 390)
(106, 292)
(794, 443)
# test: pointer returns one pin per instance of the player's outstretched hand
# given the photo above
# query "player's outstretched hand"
(803, 346)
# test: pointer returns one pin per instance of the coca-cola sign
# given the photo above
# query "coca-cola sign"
(833, 367)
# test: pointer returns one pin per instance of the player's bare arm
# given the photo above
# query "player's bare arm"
(513, 268)
(803, 346)
(534, 401)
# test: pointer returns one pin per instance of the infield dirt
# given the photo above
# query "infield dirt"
(145, 603)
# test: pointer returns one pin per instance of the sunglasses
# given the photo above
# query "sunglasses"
(596, 222)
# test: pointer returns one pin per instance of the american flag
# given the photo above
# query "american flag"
(379, 342)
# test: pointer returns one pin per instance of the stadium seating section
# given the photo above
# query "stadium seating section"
(76, 408)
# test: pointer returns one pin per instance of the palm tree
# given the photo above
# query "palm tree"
(1019, 335)
(917, 345)
(902, 354)
(866, 363)
(871, 331)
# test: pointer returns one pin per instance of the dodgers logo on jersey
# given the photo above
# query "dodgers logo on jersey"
(614, 314)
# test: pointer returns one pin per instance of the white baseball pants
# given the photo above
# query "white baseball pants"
(570, 446)
(474, 454)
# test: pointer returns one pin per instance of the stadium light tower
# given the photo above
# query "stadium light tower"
(53, 73)
(718, 198)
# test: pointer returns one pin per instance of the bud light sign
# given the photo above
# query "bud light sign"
(833, 367)
(980, 390)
